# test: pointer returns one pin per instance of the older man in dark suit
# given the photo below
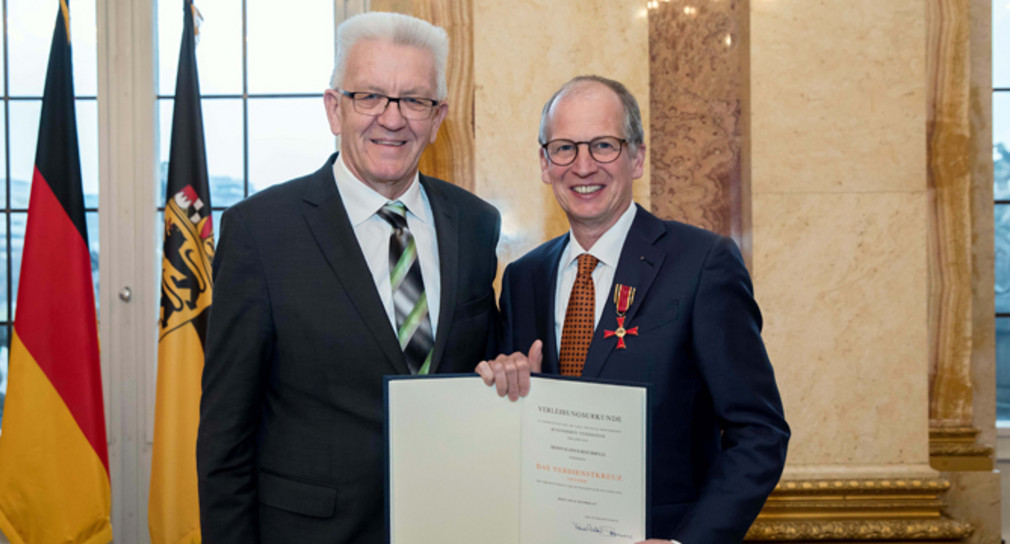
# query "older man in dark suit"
(328, 282)
(626, 296)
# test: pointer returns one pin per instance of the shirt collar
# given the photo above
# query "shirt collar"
(608, 248)
(361, 201)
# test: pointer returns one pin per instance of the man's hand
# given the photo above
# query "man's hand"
(511, 373)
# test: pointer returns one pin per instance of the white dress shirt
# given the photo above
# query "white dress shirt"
(373, 232)
(608, 250)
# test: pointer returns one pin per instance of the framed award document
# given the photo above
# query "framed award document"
(566, 464)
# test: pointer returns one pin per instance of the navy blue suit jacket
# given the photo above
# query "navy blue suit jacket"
(718, 432)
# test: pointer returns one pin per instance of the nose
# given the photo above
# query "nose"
(585, 164)
(391, 118)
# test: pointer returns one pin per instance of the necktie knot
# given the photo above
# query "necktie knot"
(395, 213)
(587, 264)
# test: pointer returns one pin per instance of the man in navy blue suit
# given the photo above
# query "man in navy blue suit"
(670, 305)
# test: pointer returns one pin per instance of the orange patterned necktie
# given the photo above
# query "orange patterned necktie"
(577, 331)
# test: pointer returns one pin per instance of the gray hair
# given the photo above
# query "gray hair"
(633, 131)
(397, 28)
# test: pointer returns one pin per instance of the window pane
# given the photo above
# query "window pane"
(87, 143)
(1003, 368)
(29, 34)
(287, 138)
(1002, 243)
(1001, 144)
(218, 51)
(24, 134)
(216, 218)
(3, 149)
(3, 53)
(1000, 43)
(84, 45)
(30, 27)
(290, 49)
(222, 128)
(3, 270)
(18, 220)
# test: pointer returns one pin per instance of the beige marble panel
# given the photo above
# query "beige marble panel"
(841, 280)
(523, 51)
(837, 95)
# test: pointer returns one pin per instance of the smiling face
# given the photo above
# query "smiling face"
(383, 150)
(593, 195)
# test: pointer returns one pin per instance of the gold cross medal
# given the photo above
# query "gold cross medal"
(624, 295)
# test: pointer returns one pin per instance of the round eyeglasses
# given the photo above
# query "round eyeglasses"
(411, 107)
(602, 149)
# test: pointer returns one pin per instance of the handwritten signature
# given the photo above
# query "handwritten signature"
(600, 530)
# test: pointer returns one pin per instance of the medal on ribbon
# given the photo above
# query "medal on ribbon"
(624, 295)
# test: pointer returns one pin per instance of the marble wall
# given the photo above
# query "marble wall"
(840, 143)
(838, 154)
(523, 51)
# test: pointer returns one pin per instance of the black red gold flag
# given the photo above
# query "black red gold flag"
(54, 464)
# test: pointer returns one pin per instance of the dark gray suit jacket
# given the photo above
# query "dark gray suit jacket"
(290, 445)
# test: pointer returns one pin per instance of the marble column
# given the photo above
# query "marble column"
(840, 205)
(451, 157)
(700, 87)
(962, 359)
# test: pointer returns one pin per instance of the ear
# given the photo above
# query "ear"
(545, 167)
(440, 112)
(331, 99)
(639, 162)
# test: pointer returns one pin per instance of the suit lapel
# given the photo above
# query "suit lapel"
(327, 219)
(447, 234)
(639, 263)
(544, 297)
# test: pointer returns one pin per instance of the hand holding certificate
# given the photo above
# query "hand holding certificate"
(567, 463)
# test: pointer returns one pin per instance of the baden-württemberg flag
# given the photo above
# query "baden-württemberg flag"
(54, 468)
(173, 506)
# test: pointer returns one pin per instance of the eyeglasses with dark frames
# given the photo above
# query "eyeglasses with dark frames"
(411, 107)
(603, 149)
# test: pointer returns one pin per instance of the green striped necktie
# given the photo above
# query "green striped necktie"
(413, 327)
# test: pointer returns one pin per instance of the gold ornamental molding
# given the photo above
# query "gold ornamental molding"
(887, 530)
(957, 449)
(858, 510)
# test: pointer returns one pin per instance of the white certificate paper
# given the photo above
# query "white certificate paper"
(566, 464)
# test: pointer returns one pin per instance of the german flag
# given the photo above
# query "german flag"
(54, 468)
(173, 511)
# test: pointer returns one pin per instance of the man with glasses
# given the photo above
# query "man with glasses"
(625, 296)
(325, 284)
